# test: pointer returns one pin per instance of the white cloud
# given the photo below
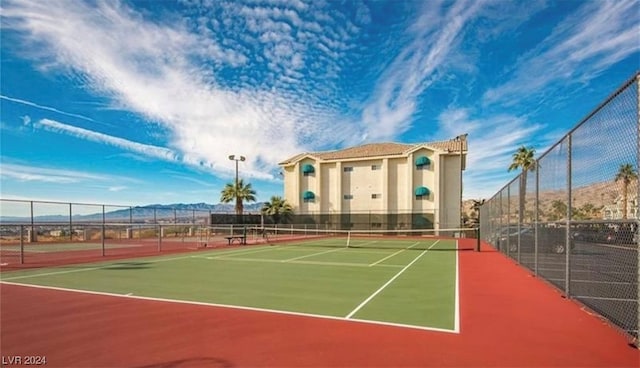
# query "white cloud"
(167, 73)
(389, 113)
(147, 150)
(48, 175)
(117, 188)
(589, 41)
(28, 103)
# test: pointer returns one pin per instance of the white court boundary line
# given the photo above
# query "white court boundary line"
(311, 255)
(237, 307)
(317, 263)
(456, 302)
(388, 282)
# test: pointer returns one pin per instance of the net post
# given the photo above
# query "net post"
(478, 239)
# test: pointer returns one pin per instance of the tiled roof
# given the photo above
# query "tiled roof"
(378, 149)
(366, 150)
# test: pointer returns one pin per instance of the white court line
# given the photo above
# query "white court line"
(238, 307)
(387, 283)
(107, 266)
(311, 255)
(398, 252)
(456, 316)
(264, 260)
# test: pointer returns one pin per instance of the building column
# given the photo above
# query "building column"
(338, 190)
(385, 185)
(318, 188)
(410, 183)
(296, 174)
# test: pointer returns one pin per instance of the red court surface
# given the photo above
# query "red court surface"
(508, 319)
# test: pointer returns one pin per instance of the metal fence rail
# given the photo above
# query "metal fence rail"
(575, 220)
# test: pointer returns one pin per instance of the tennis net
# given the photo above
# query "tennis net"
(441, 239)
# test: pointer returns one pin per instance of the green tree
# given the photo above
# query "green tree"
(523, 159)
(626, 174)
(589, 210)
(242, 193)
(559, 209)
(277, 208)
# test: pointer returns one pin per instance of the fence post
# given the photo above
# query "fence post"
(70, 223)
(478, 235)
(159, 238)
(103, 235)
(536, 222)
(567, 240)
(21, 244)
(637, 340)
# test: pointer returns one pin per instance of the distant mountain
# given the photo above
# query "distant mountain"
(179, 211)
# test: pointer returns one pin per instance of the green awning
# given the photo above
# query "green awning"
(422, 191)
(422, 161)
(308, 168)
(308, 195)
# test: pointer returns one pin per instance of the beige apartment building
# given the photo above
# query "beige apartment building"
(394, 185)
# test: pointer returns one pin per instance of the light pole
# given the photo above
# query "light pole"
(237, 159)
(461, 139)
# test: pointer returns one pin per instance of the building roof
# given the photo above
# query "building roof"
(378, 149)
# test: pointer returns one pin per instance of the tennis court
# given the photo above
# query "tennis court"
(407, 282)
(303, 299)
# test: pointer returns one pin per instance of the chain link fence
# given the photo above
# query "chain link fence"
(573, 219)
(364, 220)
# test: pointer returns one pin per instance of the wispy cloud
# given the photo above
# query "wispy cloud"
(598, 35)
(117, 188)
(47, 108)
(145, 149)
(27, 173)
(168, 72)
(389, 113)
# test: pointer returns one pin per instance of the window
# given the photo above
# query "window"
(347, 169)
(305, 173)
(348, 196)
(376, 196)
(421, 197)
(375, 167)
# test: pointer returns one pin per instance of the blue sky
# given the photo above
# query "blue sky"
(140, 102)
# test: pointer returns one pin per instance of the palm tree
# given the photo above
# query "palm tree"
(525, 160)
(277, 208)
(626, 174)
(475, 209)
(241, 193)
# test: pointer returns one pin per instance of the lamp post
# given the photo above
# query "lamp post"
(461, 139)
(237, 159)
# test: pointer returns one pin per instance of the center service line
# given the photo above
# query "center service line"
(388, 282)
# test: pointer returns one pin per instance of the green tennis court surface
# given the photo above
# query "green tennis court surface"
(416, 286)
